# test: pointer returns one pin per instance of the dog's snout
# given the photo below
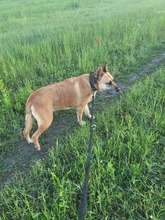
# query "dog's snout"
(117, 89)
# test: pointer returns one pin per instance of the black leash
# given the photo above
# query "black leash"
(84, 196)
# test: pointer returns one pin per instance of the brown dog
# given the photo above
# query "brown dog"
(74, 92)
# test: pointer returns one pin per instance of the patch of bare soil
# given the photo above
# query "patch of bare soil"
(149, 67)
(26, 155)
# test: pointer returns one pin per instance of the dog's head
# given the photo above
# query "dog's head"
(104, 80)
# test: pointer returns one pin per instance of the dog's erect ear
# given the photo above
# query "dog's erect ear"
(105, 69)
(99, 73)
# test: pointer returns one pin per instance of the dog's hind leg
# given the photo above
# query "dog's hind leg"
(44, 120)
(28, 127)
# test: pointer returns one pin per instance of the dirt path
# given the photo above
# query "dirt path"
(26, 155)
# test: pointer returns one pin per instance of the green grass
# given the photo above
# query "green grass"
(127, 167)
(43, 42)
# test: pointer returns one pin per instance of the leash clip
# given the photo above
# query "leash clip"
(93, 127)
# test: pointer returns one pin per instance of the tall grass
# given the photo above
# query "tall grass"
(42, 42)
(126, 178)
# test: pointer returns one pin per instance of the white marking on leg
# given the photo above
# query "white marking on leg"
(36, 116)
(87, 112)
(29, 140)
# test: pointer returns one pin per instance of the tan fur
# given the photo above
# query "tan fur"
(73, 92)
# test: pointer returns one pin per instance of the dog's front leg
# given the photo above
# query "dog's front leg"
(87, 112)
(80, 111)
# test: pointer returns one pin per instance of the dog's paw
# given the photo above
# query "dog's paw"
(82, 123)
(91, 117)
(29, 140)
(38, 148)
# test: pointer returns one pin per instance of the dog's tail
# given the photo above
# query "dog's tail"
(28, 122)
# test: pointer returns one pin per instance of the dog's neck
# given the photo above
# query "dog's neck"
(92, 82)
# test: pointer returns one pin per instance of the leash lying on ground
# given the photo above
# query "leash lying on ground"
(83, 204)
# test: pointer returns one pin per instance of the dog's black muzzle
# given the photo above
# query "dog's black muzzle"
(113, 91)
(118, 89)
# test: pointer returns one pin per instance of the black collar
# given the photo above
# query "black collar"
(92, 82)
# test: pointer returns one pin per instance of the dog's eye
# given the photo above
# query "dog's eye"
(110, 83)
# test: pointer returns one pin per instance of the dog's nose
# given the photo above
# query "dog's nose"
(117, 89)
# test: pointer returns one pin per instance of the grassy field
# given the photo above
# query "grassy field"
(127, 172)
(42, 42)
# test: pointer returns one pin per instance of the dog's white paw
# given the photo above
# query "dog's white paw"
(29, 140)
(82, 123)
(91, 117)
(38, 148)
